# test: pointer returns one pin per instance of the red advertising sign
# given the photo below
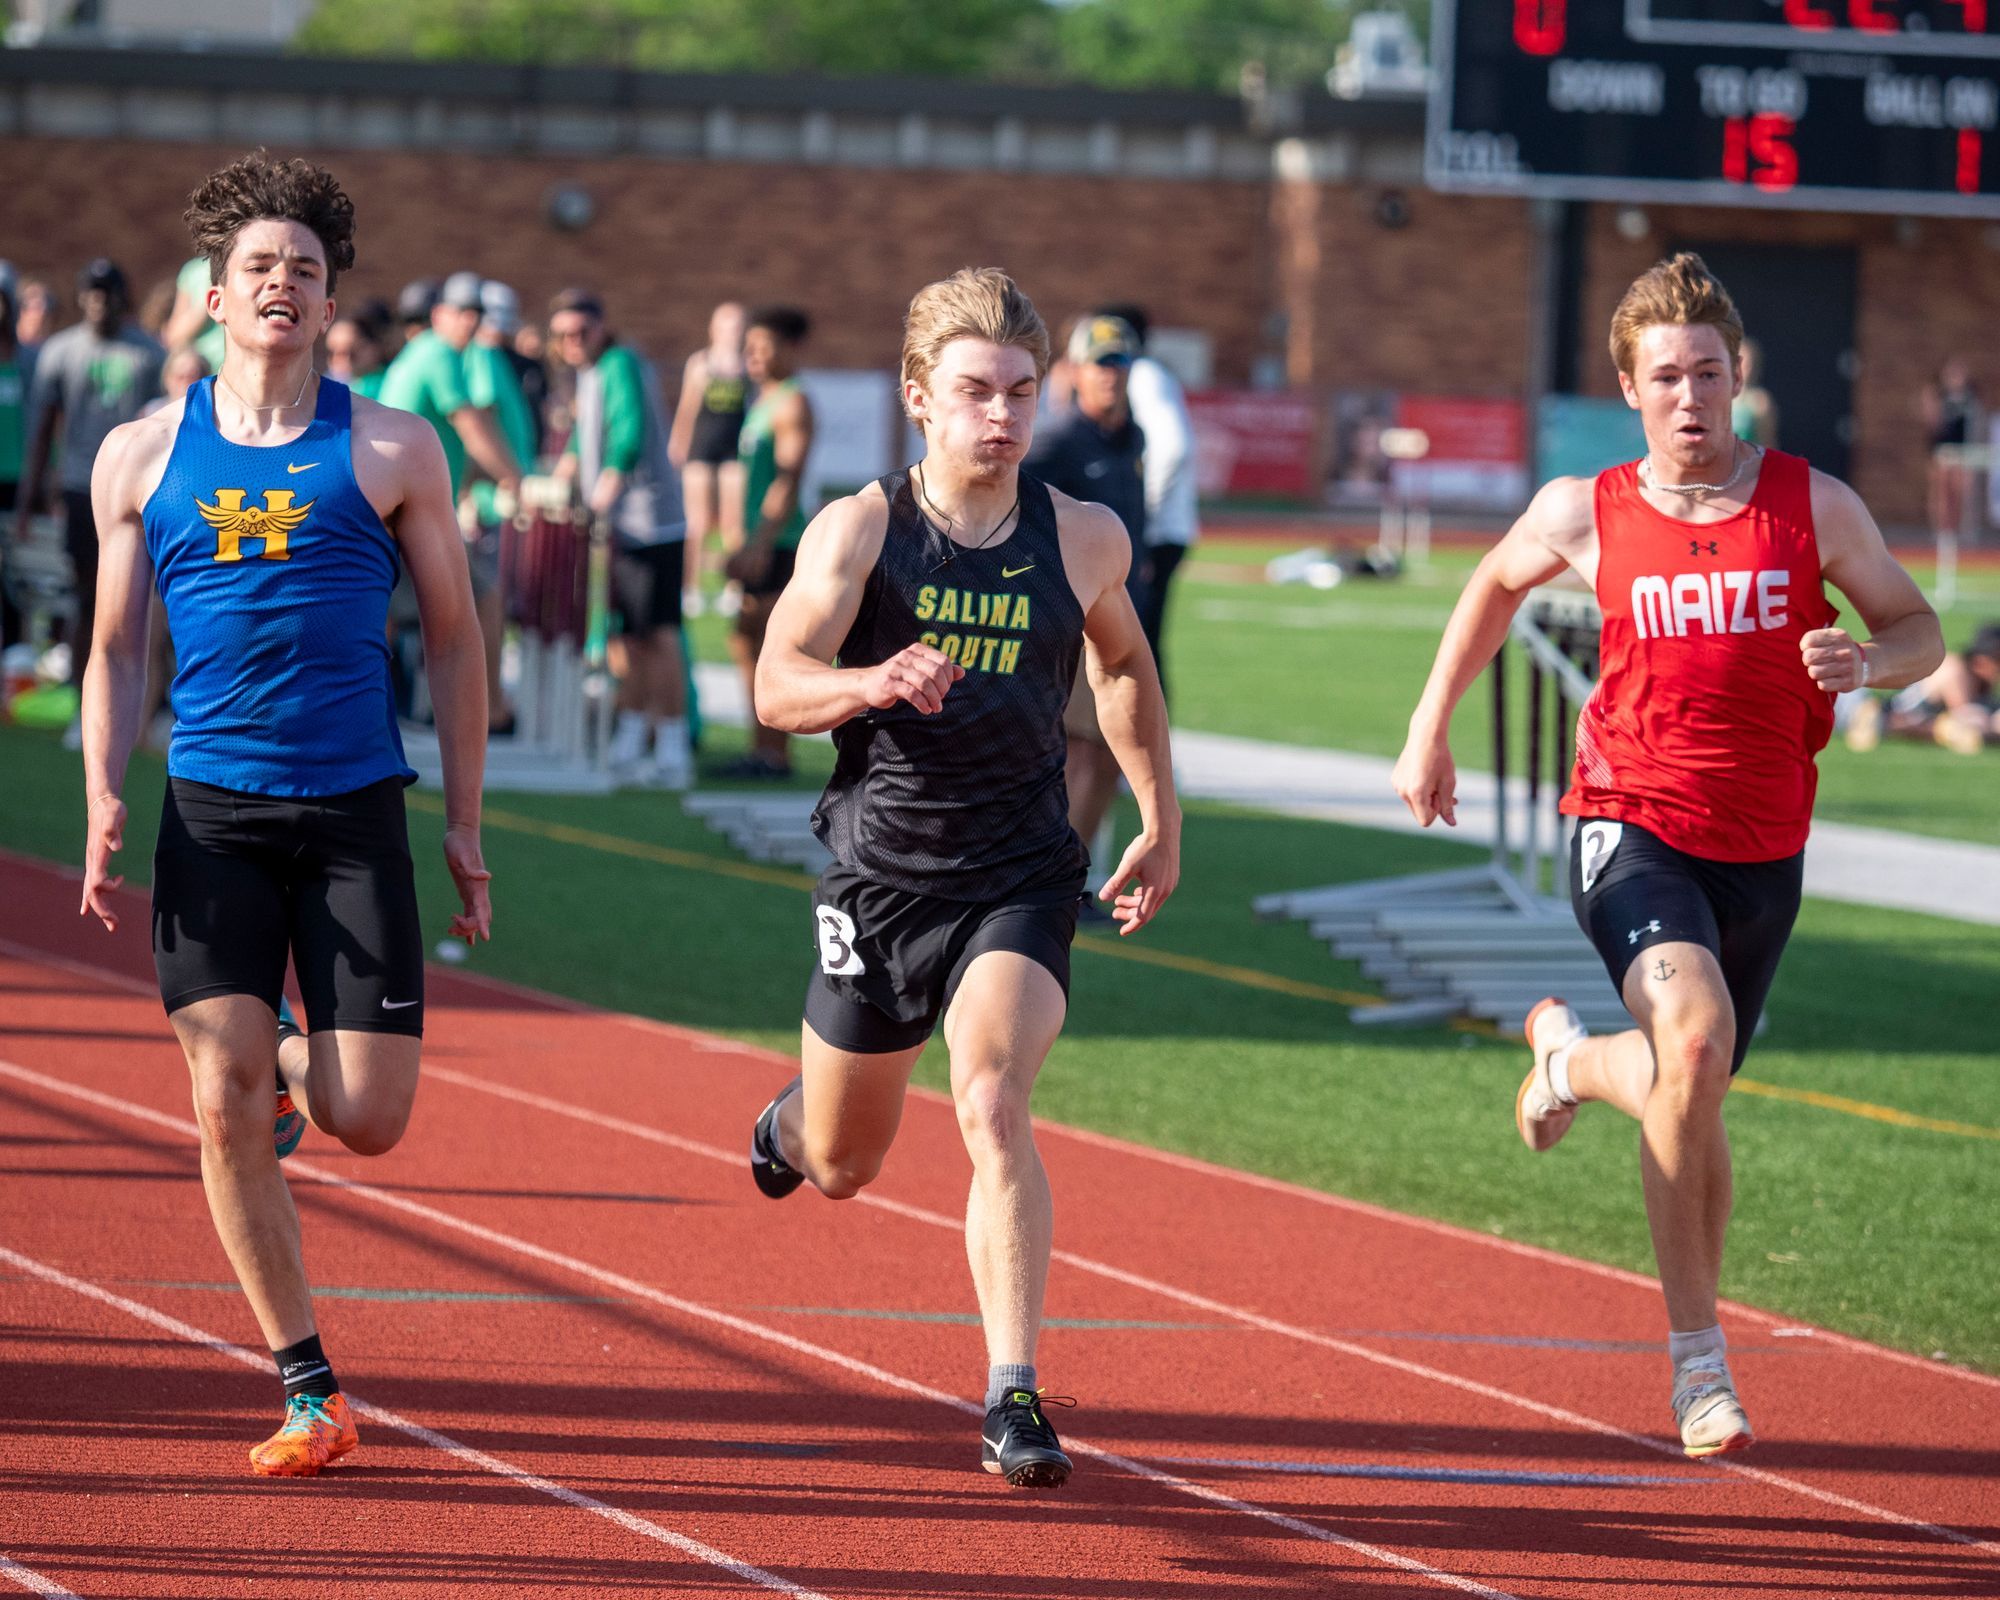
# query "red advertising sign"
(1255, 443)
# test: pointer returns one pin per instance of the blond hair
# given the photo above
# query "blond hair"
(973, 303)
(1678, 293)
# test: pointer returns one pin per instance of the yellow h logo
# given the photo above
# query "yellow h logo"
(234, 522)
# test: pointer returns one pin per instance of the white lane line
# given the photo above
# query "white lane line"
(1238, 1314)
(688, 1308)
(31, 1580)
(415, 1430)
(714, 1044)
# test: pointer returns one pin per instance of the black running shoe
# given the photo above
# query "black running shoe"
(1019, 1444)
(776, 1176)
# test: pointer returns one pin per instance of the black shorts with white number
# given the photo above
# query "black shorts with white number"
(887, 962)
(243, 881)
(1632, 890)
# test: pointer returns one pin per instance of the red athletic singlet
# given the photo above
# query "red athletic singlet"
(1704, 723)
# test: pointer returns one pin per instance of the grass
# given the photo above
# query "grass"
(1883, 1231)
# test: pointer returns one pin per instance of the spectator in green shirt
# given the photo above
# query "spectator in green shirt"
(17, 371)
(617, 457)
(429, 377)
(189, 323)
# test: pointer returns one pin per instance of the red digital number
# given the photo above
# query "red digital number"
(1871, 16)
(1541, 27)
(1804, 14)
(1974, 12)
(1969, 143)
(1758, 151)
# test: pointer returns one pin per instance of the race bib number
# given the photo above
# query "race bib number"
(1600, 842)
(837, 933)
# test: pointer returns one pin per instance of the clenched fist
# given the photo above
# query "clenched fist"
(916, 673)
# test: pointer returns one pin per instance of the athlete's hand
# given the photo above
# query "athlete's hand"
(468, 872)
(1146, 875)
(1427, 781)
(1833, 659)
(916, 673)
(104, 837)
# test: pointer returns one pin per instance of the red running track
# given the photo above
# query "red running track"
(597, 1362)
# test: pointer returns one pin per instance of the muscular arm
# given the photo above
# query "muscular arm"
(799, 690)
(1131, 711)
(114, 683)
(1905, 642)
(408, 457)
(1554, 532)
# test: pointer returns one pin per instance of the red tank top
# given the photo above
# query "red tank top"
(1704, 723)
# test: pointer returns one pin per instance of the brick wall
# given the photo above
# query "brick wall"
(670, 239)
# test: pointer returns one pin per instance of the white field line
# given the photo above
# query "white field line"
(636, 1290)
(31, 1580)
(415, 1430)
(1251, 1319)
(710, 1043)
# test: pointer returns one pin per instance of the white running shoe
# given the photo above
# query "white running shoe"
(1542, 1117)
(730, 600)
(1705, 1405)
(692, 602)
(72, 738)
(668, 769)
(629, 739)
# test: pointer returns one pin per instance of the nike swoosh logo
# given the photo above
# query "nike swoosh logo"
(306, 468)
(1015, 572)
(399, 1005)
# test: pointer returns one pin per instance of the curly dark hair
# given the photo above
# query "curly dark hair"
(259, 187)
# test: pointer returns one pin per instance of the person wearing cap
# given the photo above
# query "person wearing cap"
(1096, 453)
(617, 458)
(1173, 518)
(432, 376)
(500, 327)
(89, 379)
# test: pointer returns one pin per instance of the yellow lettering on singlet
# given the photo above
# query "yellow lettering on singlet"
(1010, 656)
(927, 598)
(951, 645)
(986, 648)
(929, 637)
(1020, 619)
(948, 606)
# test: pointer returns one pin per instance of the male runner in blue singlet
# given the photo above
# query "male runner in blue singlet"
(273, 507)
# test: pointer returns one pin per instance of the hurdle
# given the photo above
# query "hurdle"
(555, 567)
(1487, 941)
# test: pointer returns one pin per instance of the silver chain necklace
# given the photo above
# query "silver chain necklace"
(311, 373)
(1688, 489)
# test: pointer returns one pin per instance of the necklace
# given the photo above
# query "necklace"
(1686, 489)
(950, 522)
(247, 406)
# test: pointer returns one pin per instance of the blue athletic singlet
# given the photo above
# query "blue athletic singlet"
(276, 574)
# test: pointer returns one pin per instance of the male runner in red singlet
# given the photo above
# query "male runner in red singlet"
(1694, 769)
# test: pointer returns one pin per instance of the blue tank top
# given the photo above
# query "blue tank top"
(276, 574)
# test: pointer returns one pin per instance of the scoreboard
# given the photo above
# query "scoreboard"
(1832, 105)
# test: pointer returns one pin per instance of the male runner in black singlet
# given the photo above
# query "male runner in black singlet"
(956, 598)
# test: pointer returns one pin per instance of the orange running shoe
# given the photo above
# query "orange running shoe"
(318, 1431)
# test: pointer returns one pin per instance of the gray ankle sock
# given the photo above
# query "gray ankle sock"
(1705, 1341)
(1003, 1380)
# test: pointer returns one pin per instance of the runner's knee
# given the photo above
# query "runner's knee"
(992, 1115)
(1693, 1059)
(840, 1169)
(371, 1130)
(234, 1102)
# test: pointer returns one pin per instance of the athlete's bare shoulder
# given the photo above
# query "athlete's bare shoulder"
(1090, 531)
(1563, 515)
(846, 536)
(133, 457)
(396, 454)
(1843, 526)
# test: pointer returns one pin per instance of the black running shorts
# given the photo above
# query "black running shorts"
(1632, 890)
(887, 962)
(646, 585)
(241, 881)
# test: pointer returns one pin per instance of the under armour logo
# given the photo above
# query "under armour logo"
(1651, 927)
(1695, 547)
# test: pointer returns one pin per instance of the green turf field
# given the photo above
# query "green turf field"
(1884, 1230)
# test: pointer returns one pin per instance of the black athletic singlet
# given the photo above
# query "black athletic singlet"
(719, 423)
(968, 804)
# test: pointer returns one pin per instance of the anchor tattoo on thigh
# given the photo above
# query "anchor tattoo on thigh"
(1663, 969)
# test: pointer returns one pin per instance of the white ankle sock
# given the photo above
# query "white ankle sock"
(1702, 1342)
(1559, 1074)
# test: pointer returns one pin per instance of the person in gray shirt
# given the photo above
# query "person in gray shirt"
(89, 379)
